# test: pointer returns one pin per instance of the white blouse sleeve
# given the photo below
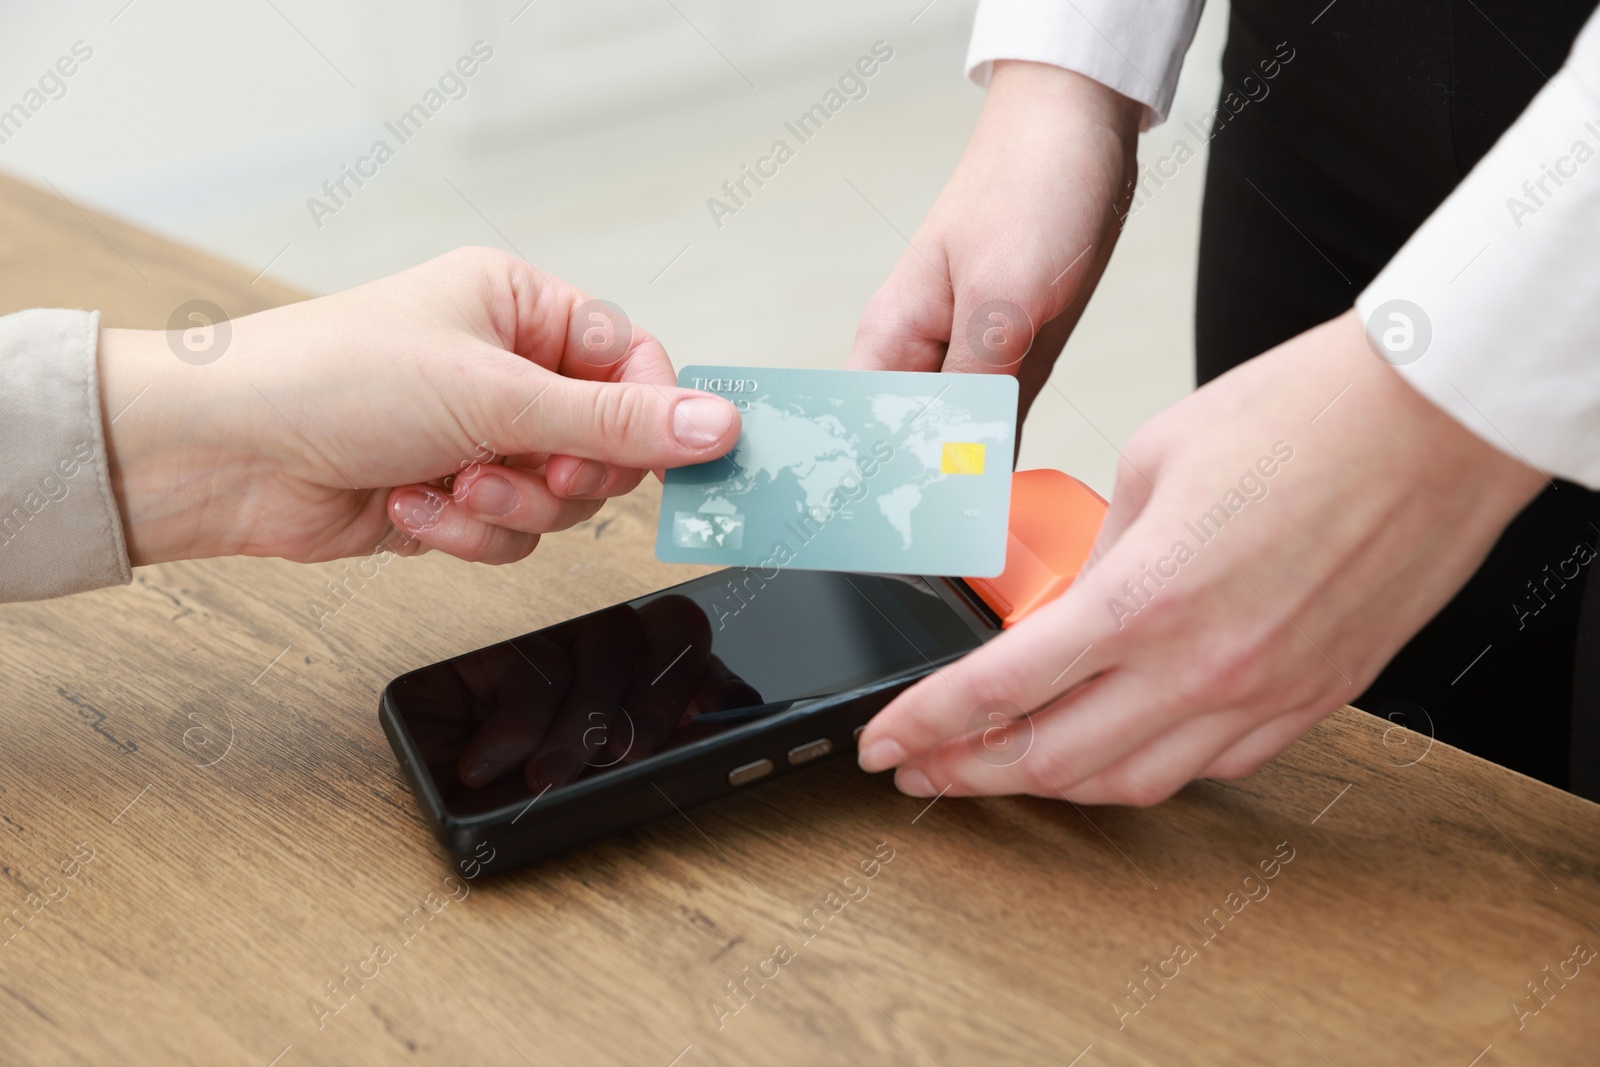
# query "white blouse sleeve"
(1133, 46)
(1492, 308)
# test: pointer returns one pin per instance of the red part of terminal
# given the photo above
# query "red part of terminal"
(1054, 521)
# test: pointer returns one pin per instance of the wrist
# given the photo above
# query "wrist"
(1053, 161)
(1063, 99)
(166, 458)
(1428, 442)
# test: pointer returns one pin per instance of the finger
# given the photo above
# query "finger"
(438, 740)
(1246, 755)
(443, 692)
(1034, 373)
(441, 716)
(573, 477)
(580, 479)
(630, 424)
(533, 461)
(604, 344)
(1128, 499)
(1005, 313)
(906, 324)
(503, 741)
(531, 680)
(990, 330)
(678, 641)
(484, 672)
(605, 653)
(1055, 748)
(1070, 640)
(516, 499)
(561, 328)
(1155, 771)
(1059, 646)
(401, 543)
(430, 518)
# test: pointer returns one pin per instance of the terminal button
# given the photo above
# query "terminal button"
(750, 772)
(810, 750)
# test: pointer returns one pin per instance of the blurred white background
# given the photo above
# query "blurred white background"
(589, 143)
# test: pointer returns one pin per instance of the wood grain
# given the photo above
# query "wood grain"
(218, 754)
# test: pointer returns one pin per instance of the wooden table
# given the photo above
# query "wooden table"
(251, 847)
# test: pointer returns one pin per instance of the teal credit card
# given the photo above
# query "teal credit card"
(873, 471)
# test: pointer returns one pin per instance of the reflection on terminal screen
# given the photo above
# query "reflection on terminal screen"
(505, 723)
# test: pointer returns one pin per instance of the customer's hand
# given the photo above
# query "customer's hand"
(463, 401)
(1017, 239)
(1273, 540)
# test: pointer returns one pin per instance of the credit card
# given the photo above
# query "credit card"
(883, 472)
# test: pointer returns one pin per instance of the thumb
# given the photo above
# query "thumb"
(994, 324)
(1128, 499)
(906, 324)
(629, 424)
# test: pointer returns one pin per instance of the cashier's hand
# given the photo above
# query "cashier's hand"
(469, 404)
(1186, 651)
(1018, 238)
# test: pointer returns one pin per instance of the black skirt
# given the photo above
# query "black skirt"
(1317, 176)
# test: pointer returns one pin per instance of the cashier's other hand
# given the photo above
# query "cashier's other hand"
(471, 403)
(1008, 256)
(1186, 651)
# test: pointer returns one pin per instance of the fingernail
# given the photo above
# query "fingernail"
(587, 479)
(482, 773)
(555, 768)
(698, 421)
(881, 755)
(914, 784)
(416, 510)
(491, 495)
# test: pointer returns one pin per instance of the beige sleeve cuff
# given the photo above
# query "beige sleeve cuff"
(60, 531)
